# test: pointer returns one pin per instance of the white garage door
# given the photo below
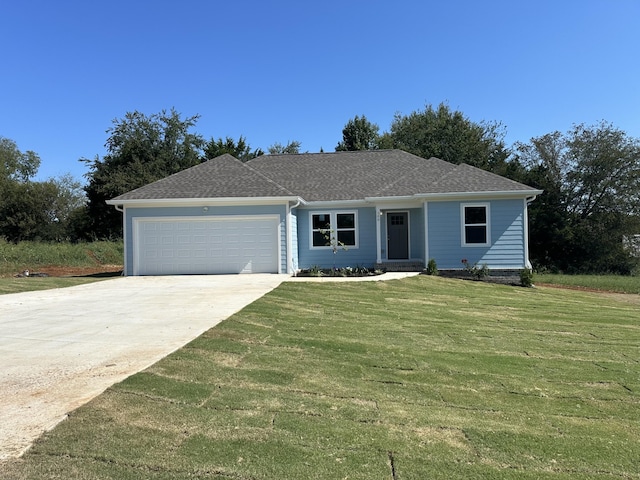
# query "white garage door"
(205, 245)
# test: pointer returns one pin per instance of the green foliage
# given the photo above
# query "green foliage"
(16, 165)
(432, 267)
(26, 210)
(421, 378)
(316, 271)
(141, 149)
(477, 272)
(32, 210)
(16, 257)
(591, 179)
(526, 277)
(240, 150)
(291, 148)
(359, 134)
(450, 136)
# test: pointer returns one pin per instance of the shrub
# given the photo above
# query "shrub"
(526, 277)
(477, 272)
(432, 267)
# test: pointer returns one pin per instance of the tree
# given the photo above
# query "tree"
(27, 211)
(140, 149)
(359, 134)
(241, 149)
(591, 178)
(449, 136)
(16, 165)
(293, 147)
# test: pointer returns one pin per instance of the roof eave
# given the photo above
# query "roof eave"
(190, 202)
(457, 195)
(485, 195)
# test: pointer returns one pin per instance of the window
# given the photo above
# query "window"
(331, 229)
(475, 225)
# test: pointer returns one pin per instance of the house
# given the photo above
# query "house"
(282, 213)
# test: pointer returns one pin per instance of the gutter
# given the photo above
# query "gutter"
(190, 202)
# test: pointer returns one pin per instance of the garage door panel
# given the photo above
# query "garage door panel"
(205, 246)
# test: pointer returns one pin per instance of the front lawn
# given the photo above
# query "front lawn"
(30, 284)
(422, 378)
(611, 283)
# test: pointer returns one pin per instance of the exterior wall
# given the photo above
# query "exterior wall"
(363, 255)
(159, 212)
(507, 227)
(505, 251)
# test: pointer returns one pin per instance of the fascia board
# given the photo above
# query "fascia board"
(336, 203)
(190, 202)
(447, 196)
(509, 194)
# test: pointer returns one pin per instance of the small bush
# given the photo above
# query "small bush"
(315, 271)
(526, 277)
(432, 267)
(477, 272)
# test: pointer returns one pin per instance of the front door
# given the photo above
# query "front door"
(397, 235)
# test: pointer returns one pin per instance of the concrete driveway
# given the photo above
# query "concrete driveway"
(61, 348)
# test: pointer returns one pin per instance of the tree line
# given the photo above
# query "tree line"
(583, 222)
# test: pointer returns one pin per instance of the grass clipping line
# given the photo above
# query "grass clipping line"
(421, 378)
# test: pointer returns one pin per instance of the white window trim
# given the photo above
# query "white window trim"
(333, 220)
(463, 235)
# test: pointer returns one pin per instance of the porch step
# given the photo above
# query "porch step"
(413, 266)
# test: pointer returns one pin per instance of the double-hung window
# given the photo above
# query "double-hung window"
(334, 229)
(476, 230)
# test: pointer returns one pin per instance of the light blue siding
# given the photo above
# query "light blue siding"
(507, 246)
(159, 212)
(506, 249)
(364, 255)
(416, 232)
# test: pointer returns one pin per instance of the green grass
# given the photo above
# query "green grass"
(17, 285)
(611, 283)
(15, 258)
(421, 378)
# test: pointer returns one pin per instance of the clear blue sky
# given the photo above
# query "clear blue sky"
(276, 71)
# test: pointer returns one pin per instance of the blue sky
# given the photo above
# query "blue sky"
(276, 71)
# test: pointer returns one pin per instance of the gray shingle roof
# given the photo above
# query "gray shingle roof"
(325, 177)
(222, 177)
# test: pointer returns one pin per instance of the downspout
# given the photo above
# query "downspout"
(527, 201)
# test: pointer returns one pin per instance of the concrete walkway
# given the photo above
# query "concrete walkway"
(61, 348)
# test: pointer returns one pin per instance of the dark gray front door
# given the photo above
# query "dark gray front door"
(397, 235)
